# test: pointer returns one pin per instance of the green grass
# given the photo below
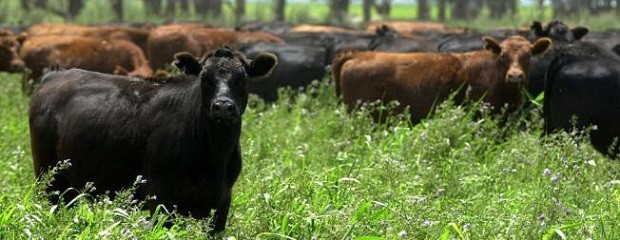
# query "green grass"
(313, 170)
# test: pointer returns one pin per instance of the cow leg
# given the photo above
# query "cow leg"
(221, 213)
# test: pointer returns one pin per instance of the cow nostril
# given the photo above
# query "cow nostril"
(224, 108)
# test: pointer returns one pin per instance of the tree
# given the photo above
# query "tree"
(338, 10)
(239, 11)
(367, 7)
(152, 7)
(384, 8)
(442, 10)
(466, 9)
(209, 8)
(117, 8)
(423, 10)
(280, 14)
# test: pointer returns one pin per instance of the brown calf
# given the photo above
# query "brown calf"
(420, 80)
(9, 52)
(89, 53)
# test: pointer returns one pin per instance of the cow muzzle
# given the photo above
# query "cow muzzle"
(224, 109)
(17, 66)
(515, 75)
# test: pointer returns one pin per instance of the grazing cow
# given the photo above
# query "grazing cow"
(136, 35)
(165, 41)
(89, 53)
(566, 41)
(586, 88)
(182, 136)
(9, 52)
(419, 80)
(298, 66)
(616, 49)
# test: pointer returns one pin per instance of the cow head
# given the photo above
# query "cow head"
(559, 32)
(9, 52)
(224, 75)
(514, 55)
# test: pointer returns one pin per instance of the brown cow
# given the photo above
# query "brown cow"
(165, 41)
(419, 80)
(320, 28)
(89, 53)
(136, 35)
(406, 28)
(9, 52)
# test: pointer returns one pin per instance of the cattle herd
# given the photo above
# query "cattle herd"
(181, 131)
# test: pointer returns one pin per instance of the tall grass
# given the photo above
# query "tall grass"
(313, 171)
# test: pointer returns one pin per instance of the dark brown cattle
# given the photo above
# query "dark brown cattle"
(136, 35)
(9, 52)
(89, 53)
(420, 80)
(165, 41)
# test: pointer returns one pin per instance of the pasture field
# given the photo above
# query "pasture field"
(313, 171)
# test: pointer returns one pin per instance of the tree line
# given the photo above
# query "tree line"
(339, 9)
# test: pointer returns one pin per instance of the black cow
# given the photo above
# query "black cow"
(471, 41)
(182, 136)
(616, 49)
(389, 40)
(587, 88)
(566, 41)
(298, 66)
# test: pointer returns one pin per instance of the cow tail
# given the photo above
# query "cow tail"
(339, 60)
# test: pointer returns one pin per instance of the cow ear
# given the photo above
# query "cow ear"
(491, 45)
(579, 32)
(187, 63)
(262, 65)
(537, 28)
(21, 38)
(541, 45)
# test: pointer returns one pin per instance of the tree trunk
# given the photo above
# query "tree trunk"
(423, 10)
(75, 6)
(209, 8)
(497, 8)
(184, 6)
(339, 10)
(153, 7)
(24, 4)
(171, 9)
(513, 7)
(239, 11)
(367, 7)
(280, 10)
(442, 10)
(117, 8)
(384, 8)
(459, 10)
(214, 8)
